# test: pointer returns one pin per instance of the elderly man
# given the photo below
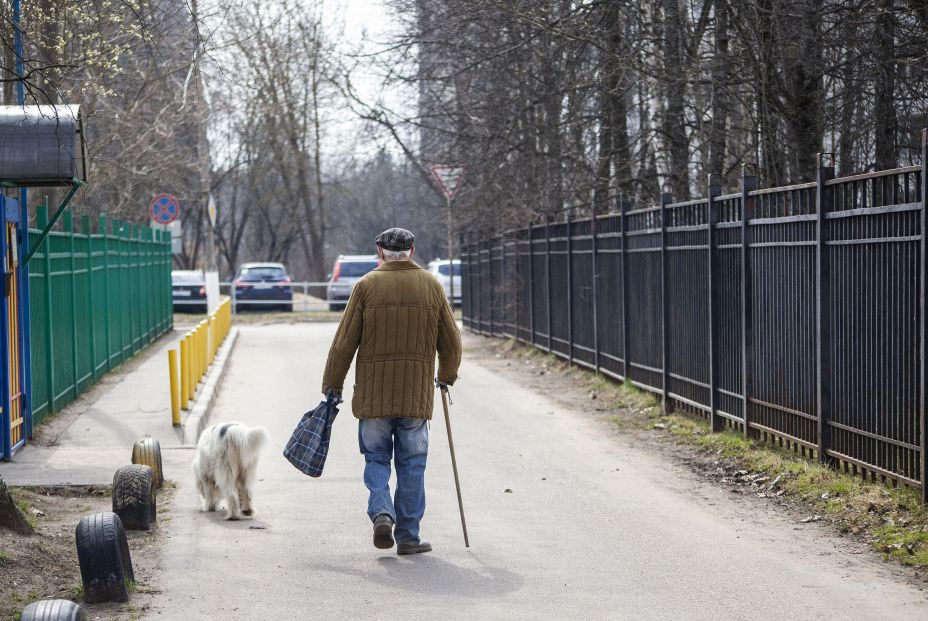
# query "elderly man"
(399, 317)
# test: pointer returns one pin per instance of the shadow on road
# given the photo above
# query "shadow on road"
(431, 575)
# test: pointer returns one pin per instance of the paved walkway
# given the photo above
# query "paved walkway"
(95, 434)
(566, 522)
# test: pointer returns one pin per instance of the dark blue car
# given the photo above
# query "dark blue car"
(263, 286)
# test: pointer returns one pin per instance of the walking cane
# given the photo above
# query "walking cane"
(445, 398)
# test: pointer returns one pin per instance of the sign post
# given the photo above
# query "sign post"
(449, 179)
(212, 272)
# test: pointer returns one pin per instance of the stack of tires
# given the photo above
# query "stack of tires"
(102, 547)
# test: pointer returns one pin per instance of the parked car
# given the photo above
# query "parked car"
(347, 270)
(188, 291)
(439, 269)
(258, 285)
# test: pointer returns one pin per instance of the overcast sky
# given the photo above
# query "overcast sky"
(360, 27)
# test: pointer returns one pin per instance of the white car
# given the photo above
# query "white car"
(439, 269)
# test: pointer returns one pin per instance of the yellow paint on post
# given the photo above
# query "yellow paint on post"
(175, 389)
(212, 339)
(204, 342)
(184, 373)
(199, 353)
(191, 381)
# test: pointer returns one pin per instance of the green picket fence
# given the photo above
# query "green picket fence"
(96, 298)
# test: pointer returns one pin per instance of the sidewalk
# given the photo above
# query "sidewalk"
(92, 437)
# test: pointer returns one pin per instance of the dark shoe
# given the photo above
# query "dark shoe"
(413, 548)
(383, 532)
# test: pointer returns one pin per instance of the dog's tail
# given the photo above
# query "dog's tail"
(255, 439)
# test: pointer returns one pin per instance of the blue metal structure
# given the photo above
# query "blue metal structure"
(23, 228)
(14, 340)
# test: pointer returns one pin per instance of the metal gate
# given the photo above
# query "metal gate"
(13, 326)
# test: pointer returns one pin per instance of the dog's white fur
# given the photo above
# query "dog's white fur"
(225, 467)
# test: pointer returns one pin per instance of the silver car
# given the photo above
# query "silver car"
(347, 270)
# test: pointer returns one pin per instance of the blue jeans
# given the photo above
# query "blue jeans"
(406, 441)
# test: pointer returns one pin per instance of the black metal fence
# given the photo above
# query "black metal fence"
(810, 300)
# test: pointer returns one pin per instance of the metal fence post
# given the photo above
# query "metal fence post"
(517, 289)
(823, 308)
(490, 281)
(595, 270)
(666, 199)
(25, 315)
(625, 207)
(466, 292)
(748, 184)
(464, 252)
(104, 229)
(570, 285)
(548, 275)
(715, 189)
(922, 321)
(502, 281)
(68, 224)
(531, 281)
(85, 229)
(135, 235)
(41, 221)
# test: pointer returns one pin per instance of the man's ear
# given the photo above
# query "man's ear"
(412, 251)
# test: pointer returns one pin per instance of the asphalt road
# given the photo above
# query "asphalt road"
(566, 522)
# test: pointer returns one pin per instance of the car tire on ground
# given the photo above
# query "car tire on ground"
(336, 307)
(53, 610)
(135, 497)
(147, 452)
(103, 556)
(287, 307)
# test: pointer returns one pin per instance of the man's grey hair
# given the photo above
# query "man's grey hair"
(396, 254)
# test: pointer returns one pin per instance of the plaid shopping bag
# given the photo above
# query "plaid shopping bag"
(309, 444)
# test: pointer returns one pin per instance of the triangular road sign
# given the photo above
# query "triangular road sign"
(449, 178)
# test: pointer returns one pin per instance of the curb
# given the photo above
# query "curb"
(199, 413)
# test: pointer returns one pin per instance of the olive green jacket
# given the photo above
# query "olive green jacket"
(397, 319)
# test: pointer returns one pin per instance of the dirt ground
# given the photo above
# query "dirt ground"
(44, 565)
(633, 421)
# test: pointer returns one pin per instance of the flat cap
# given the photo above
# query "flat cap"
(395, 239)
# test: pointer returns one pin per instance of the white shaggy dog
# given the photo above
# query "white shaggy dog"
(227, 458)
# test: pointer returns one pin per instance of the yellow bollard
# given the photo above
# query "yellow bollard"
(195, 354)
(184, 373)
(191, 363)
(212, 340)
(175, 389)
(199, 353)
(204, 342)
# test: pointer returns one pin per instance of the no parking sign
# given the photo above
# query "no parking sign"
(164, 209)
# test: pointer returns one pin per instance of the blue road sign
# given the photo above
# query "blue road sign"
(164, 209)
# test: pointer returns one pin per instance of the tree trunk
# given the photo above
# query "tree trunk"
(9, 54)
(613, 157)
(805, 90)
(772, 163)
(884, 110)
(551, 133)
(674, 121)
(847, 139)
(720, 98)
(10, 515)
